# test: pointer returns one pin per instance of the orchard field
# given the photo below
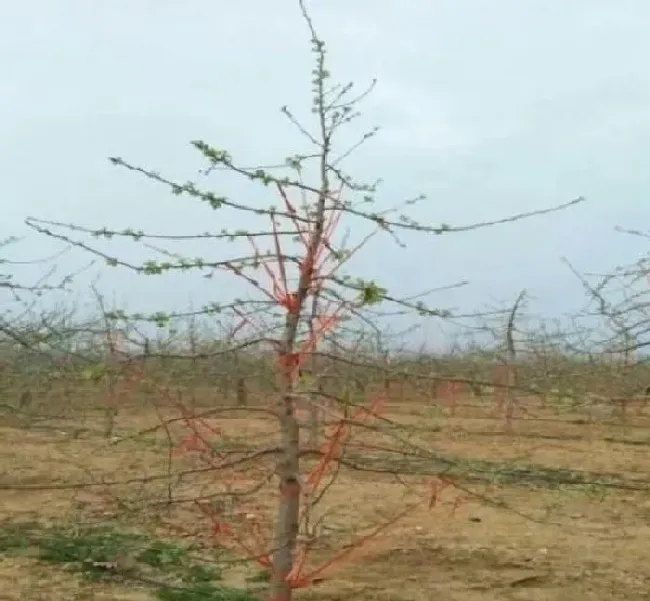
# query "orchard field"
(432, 497)
(305, 404)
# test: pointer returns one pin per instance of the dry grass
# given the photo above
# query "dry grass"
(516, 540)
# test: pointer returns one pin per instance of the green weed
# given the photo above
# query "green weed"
(95, 554)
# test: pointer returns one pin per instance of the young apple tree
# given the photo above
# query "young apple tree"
(299, 281)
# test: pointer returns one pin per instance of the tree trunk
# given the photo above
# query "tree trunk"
(287, 522)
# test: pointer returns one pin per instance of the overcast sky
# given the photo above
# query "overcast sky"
(489, 108)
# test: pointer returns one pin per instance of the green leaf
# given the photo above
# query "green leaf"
(371, 294)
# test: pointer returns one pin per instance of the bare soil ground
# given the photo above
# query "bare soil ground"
(558, 508)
